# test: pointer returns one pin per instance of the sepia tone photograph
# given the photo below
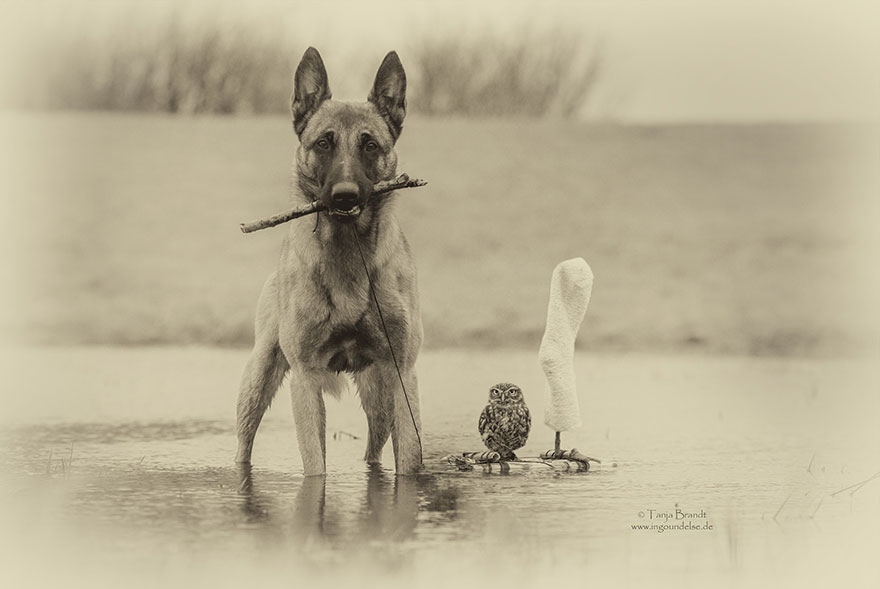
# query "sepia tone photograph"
(430, 294)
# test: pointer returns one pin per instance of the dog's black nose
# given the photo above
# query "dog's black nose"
(344, 196)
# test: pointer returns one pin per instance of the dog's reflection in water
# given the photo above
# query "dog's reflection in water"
(388, 511)
(391, 505)
(255, 506)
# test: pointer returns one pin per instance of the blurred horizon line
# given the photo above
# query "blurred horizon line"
(8, 111)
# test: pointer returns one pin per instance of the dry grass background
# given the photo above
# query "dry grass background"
(709, 238)
(221, 66)
(724, 239)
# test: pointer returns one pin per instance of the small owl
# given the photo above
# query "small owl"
(505, 422)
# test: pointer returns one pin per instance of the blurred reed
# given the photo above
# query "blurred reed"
(533, 74)
(229, 67)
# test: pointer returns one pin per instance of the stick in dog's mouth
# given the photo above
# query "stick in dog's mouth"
(385, 186)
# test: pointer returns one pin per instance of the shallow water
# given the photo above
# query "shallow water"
(119, 469)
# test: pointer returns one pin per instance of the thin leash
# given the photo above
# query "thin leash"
(357, 240)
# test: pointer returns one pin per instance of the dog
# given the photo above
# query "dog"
(320, 314)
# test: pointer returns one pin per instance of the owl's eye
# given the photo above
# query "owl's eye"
(495, 393)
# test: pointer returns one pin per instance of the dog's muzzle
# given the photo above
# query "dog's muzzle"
(345, 201)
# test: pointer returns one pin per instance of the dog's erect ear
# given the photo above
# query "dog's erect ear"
(310, 88)
(389, 93)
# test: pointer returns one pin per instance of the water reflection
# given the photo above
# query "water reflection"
(387, 510)
(391, 505)
(308, 510)
(107, 494)
(254, 505)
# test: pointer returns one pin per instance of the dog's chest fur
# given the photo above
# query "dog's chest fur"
(346, 335)
(329, 302)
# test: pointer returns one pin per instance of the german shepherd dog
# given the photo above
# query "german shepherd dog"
(316, 317)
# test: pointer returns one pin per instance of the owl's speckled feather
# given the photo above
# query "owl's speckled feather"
(505, 422)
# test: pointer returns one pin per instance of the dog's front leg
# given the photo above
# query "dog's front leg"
(375, 386)
(308, 413)
(261, 378)
(405, 436)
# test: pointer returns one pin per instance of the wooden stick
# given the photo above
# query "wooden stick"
(572, 454)
(402, 181)
(483, 456)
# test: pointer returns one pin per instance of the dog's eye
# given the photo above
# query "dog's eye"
(371, 146)
(323, 143)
